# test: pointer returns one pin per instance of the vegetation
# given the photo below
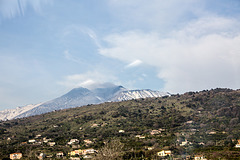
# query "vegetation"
(207, 121)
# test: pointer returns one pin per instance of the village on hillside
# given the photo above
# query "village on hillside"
(77, 153)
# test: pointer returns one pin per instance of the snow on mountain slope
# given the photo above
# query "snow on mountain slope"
(13, 113)
(79, 97)
(136, 94)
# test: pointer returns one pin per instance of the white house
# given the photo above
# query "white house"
(237, 146)
(73, 141)
(88, 151)
(199, 157)
(32, 141)
(51, 143)
(184, 143)
(140, 137)
(153, 132)
(164, 153)
(37, 136)
(121, 131)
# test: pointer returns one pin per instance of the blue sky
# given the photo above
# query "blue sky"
(48, 47)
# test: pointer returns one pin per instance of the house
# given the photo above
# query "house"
(153, 132)
(38, 143)
(49, 156)
(73, 141)
(74, 158)
(201, 143)
(72, 153)
(162, 129)
(74, 146)
(184, 143)
(121, 131)
(41, 156)
(31, 141)
(76, 152)
(164, 153)
(193, 130)
(213, 132)
(199, 157)
(51, 143)
(87, 141)
(37, 136)
(95, 125)
(87, 157)
(45, 140)
(16, 156)
(140, 137)
(189, 122)
(150, 148)
(88, 151)
(59, 155)
(238, 144)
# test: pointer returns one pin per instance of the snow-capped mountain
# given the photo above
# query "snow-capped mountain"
(12, 113)
(79, 97)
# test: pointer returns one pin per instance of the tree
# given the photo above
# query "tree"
(112, 150)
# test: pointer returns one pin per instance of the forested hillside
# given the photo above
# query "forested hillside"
(205, 122)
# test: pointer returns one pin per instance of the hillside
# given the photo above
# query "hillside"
(205, 122)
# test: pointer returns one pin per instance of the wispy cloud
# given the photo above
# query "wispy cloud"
(80, 31)
(93, 36)
(72, 58)
(12, 8)
(134, 64)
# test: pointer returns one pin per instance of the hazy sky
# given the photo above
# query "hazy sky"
(48, 47)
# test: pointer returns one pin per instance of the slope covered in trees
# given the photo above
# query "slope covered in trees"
(205, 122)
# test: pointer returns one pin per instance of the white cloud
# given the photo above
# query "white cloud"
(134, 63)
(88, 79)
(204, 54)
(12, 8)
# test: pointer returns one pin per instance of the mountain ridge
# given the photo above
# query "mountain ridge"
(79, 97)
